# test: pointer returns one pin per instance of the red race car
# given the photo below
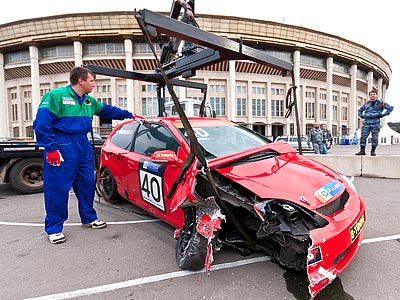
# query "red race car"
(252, 194)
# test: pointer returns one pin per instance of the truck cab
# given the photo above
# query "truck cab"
(191, 108)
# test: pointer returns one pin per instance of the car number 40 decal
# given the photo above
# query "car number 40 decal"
(151, 188)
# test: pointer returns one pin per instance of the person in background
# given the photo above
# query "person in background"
(326, 139)
(63, 119)
(371, 112)
(315, 138)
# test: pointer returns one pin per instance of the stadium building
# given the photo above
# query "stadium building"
(333, 74)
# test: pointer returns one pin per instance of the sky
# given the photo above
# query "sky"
(371, 23)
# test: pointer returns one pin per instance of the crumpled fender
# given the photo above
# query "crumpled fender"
(183, 191)
(209, 219)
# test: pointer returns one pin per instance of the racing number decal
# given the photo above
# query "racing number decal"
(151, 188)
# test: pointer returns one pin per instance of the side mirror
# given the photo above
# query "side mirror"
(166, 157)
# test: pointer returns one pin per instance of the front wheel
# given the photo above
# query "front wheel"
(191, 246)
(107, 187)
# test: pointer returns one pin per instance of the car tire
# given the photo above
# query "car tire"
(191, 246)
(108, 187)
(26, 175)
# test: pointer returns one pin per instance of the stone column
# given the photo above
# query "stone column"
(78, 54)
(329, 92)
(34, 57)
(231, 94)
(300, 103)
(370, 81)
(353, 106)
(379, 87)
(3, 101)
(129, 82)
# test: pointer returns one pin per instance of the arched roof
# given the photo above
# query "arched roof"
(53, 30)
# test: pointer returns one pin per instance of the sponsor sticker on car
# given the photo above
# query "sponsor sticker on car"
(329, 190)
(356, 228)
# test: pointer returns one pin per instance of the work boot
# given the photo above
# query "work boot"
(362, 151)
(373, 151)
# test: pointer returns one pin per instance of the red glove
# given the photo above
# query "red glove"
(54, 158)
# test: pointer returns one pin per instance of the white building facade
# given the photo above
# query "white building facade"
(333, 74)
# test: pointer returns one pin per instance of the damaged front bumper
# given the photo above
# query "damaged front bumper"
(328, 257)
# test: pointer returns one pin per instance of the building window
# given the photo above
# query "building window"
(106, 88)
(241, 106)
(322, 96)
(287, 56)
(14, 96)
(277, 108)
(275, 92)
(144, 48)
(14, 109)
(217, 88)
(122, 102)
(17, 57)
(322, 111)
(103, 48)
(27, 94)
(241, 89)
(309, 126)
(121, 88)
(334, 98)
(334, 112)
(29, 131)
(149, 106)
(105, 100)
(308, 60)
(341, 67)
(291, 129)
(277, 102)
(310, 94)
(344, 113)
(218, 104)
(28, 111)
(56, 52)
(310, 110)
(344, 99)
(43, 92)
(15, 131)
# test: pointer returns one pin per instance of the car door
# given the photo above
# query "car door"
(115, 150)
(148, 183)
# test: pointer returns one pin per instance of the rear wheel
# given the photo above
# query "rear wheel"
(26, 175)
(107, 186)
(191, 247)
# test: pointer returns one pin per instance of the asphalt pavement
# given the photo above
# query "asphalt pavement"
(134, 257)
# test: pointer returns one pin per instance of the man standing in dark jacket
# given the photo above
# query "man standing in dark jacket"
(371, 111)
(63, 119)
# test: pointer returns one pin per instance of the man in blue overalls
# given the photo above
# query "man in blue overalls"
(371, 111)
(63, 119)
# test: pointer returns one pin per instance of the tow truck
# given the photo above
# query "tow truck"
(21, 165)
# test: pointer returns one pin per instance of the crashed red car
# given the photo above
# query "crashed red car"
(253, 195)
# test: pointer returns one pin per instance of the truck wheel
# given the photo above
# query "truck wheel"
(108, 186)
(26, 175)
(191, 246)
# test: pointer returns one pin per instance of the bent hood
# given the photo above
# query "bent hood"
(287, 176)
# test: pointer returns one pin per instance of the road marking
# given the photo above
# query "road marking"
(145, 280)
(77, 224)
(381, 239)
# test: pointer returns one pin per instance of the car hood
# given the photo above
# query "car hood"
(285, 176)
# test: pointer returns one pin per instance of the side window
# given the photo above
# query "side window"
(154, 137)
(123, 137)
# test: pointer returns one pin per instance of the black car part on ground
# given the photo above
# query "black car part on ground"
(280, 228)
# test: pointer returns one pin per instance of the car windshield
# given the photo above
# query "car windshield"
(225, 138)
